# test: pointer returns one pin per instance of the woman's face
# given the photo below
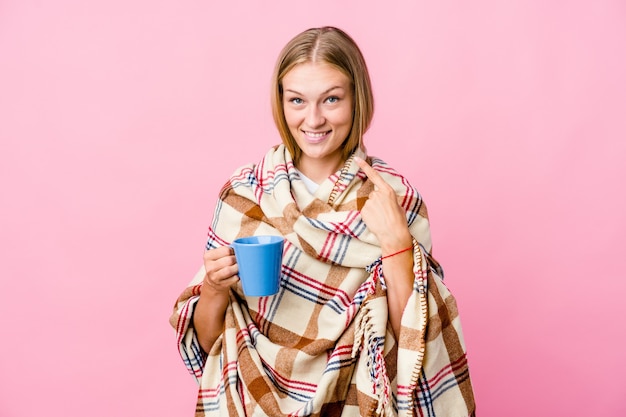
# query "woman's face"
(318, 103)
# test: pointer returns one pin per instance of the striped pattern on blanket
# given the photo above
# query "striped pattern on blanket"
(322, 345)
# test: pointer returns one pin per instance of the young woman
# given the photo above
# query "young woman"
(362, 324)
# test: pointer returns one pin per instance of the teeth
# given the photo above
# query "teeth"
(315, 135)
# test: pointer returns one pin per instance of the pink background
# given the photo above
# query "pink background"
(120, 120)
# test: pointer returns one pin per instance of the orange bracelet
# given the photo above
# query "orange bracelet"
(396, 253)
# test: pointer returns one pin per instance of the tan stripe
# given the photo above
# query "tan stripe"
(447, 311)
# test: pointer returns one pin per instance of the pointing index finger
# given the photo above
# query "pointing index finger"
(371, 173)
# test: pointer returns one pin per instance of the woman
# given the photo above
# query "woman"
(362, 324)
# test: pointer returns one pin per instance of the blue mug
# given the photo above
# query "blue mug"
(259, 259)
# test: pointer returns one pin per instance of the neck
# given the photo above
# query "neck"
(318, 170)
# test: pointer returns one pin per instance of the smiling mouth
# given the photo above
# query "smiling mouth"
(316, 136)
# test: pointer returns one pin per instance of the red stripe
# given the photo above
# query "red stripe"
(264, 301)
(345, 226)
(408, 195)
(327, 247)
(291, 383)
(343, 350)
(242, 176)
(242, 334)
(321, 287)
(215, 237)
(436, 379)
(182, 321)
(447, 370)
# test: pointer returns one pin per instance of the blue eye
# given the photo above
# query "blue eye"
(332, 99)
(296, 100)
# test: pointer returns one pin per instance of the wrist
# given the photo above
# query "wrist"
(401, 251)
(210, 291)
(396, 244)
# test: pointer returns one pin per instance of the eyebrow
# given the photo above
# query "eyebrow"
(325, 92)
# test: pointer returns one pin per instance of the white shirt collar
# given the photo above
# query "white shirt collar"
(310, 185)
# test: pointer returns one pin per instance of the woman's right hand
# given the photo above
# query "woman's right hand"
(221, 273)
(221, 269)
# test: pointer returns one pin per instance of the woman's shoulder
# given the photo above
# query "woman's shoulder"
(266, 172)
(273, 159)
(398, 180)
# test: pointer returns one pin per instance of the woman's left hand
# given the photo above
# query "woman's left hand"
(384, 217)
(382, 214)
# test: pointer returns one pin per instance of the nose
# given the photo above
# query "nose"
(314, 117)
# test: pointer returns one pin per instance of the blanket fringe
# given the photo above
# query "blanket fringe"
(421, 286)
(374, 339)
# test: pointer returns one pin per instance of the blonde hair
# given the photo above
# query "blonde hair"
(335, 47)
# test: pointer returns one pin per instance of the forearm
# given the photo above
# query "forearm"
(397, 259)
(208, 318)
(399, 277)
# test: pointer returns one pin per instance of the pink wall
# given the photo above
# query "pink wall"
(120, 120)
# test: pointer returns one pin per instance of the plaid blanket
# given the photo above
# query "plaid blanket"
(322, 346)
